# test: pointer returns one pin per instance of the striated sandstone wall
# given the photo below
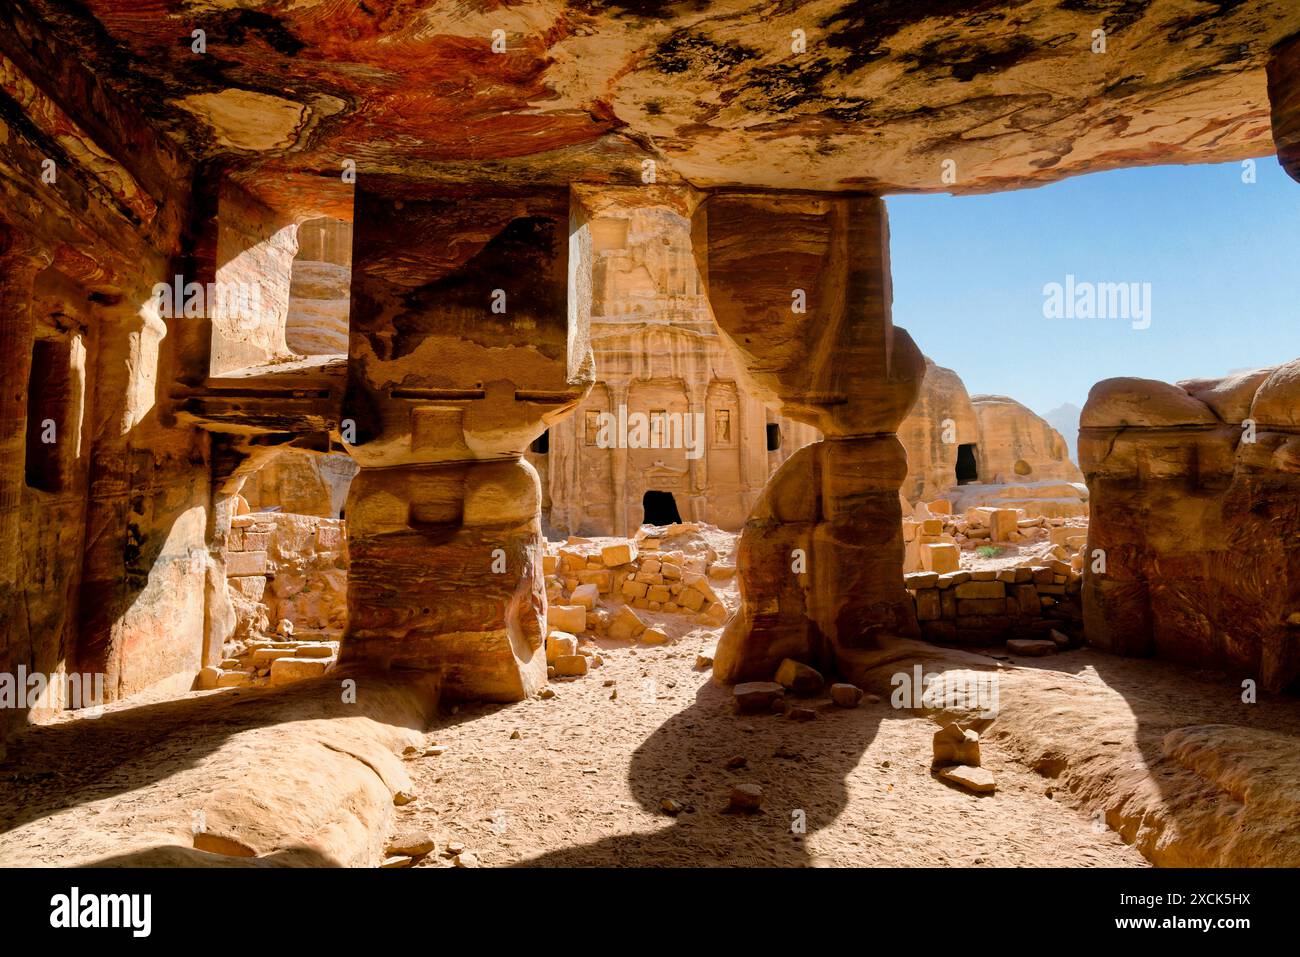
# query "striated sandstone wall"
(1017, 445)
(1007, 443)
(1195, 492)
(942, 420)
(103, 502)
(320, 289)
(303, 483)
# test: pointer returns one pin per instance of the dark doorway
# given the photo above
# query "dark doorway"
(967, 470)
(660, 508)
(773, 436)
(542, 444)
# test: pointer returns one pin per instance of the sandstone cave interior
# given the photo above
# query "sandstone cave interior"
(306, 454)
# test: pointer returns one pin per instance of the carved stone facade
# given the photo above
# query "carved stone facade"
(661, 363)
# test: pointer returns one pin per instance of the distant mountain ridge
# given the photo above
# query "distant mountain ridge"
(1065, 419)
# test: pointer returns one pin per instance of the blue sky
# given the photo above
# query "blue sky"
(1222, 258)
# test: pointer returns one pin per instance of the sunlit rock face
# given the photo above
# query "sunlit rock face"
(1195, 496)
(301, 483)
(1017, 445)
(320, 289)
(942, 421)
(953, 440)
(668, 414)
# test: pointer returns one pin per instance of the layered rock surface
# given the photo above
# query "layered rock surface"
(828, 95)
(1197, 509)
(956, 443)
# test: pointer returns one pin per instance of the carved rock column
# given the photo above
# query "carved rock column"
(20, 261)
(800, 288)
(1284, 98)
(462, 351)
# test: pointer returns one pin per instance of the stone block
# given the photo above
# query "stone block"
(953, 744)
(252, 587)
(757, 697)
(239, 564)
(620, 553)
(1026, 597)
(585, 595)
(287, 670)
(928, 606)
(626, 625)
(558, 644)
(981, 606)
(941, 558)
(799, 677)
(1002, 522)
(570, 618)
(974, 589)
(571, 666)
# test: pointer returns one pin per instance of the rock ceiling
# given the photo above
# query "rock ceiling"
(885, 93)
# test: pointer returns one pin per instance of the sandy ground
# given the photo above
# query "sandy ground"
(1086, 747)
(581, 784)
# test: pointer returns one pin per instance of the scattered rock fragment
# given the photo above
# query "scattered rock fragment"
(979, 780)
(746, 798)
(1031, 647)
(799, 677)
(670, 807)
(403, 798)
(846, 695)
(397, 860)
(413, 843)
(753, 697)
(571, 666)
(954, 744)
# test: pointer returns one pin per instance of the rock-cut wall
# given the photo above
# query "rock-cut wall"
(1195, 495)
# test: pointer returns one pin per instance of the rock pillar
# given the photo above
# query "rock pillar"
(463, 348)
(1284, 99)
(800, 288)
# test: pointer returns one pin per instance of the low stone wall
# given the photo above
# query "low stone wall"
(988, 606)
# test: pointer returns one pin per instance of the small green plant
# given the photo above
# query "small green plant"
(988, 551)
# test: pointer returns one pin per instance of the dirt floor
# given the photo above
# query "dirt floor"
(1099, 761)
(578, 780)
